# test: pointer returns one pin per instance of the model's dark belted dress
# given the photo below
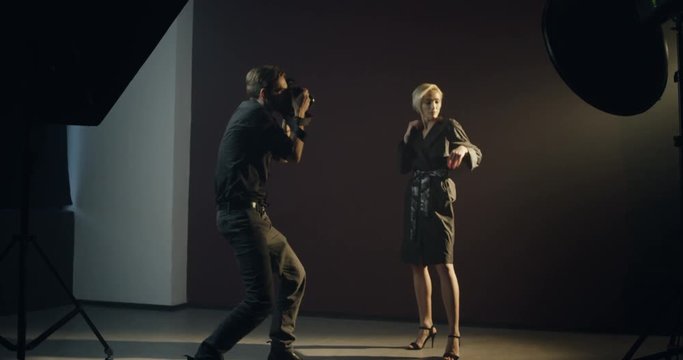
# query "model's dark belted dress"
(429, 223)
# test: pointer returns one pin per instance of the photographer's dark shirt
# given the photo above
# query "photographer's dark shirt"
(251, 139)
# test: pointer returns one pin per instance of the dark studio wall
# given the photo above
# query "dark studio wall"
(565, 225)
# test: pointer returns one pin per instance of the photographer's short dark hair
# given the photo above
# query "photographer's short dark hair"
(262, 77)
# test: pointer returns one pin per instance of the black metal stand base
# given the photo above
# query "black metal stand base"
(673, 349)
(22, 346)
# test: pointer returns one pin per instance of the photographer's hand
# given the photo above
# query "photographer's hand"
(301, 104)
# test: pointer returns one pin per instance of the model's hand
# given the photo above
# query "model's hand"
(415, 124)
(455, 159)
(301, 104)
(287, 129)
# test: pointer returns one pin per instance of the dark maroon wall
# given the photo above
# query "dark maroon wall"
(562, 226)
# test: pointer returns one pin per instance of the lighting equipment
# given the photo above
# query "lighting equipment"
(612, 54)
(67, 62)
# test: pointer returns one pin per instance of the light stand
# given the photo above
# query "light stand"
(674, 346)
(70, 61)
(24, 239)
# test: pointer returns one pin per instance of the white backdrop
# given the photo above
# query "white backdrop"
(130, 181)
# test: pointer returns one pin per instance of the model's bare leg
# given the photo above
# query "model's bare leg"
(450, 291)
(423, 294)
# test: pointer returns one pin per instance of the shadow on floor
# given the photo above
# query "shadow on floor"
(360, 347)
(92, 349)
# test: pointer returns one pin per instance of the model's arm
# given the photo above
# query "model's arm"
(406, 154)
(463, 149)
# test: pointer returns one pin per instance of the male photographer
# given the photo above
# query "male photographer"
(252, 138)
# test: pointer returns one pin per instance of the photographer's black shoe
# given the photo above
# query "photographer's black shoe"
(283, 355)
(188, 357)
(205, 352)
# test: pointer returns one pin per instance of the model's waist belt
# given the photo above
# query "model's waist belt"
(420, 186)
(430, 173)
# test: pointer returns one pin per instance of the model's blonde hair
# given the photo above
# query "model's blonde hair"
(420, 91)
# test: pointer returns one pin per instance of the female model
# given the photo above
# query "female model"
(431, 146)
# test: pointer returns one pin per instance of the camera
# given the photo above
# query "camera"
(292, 92)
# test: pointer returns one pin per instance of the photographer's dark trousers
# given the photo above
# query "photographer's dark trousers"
(261, 251)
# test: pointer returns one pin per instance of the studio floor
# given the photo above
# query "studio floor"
(168, 334)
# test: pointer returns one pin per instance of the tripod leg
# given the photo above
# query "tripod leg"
(76, 303)
(635, 347)
(7, 249)
(22, 318)
(21, 314)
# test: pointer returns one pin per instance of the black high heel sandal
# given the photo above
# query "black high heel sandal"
(432, 334)
(449, 354)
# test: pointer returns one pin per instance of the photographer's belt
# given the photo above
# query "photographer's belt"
(257, 205)
(420, 186)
